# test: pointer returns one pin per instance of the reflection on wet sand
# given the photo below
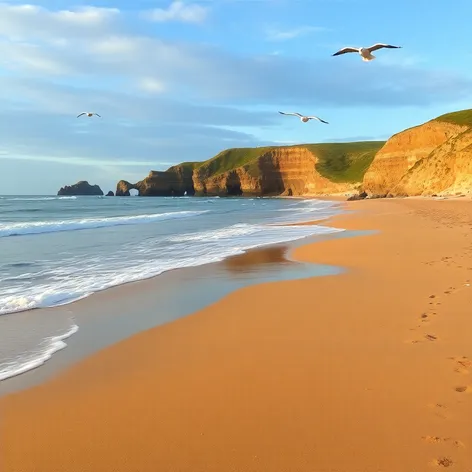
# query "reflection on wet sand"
(252, 260)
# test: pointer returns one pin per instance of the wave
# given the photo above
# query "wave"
(303, 211)
(38, 199)
(241, 229)
(78, 278)
(47, 298)
(32, 360)
(41, 227)
(256, 235)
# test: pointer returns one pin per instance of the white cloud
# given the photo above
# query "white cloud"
(179, 11)
(276, 34)
(18, 22)
(151, 85)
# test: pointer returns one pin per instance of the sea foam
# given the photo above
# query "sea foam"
(74, 279)
(41, 227)
(31, 360)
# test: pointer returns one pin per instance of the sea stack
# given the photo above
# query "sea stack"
(80, 188)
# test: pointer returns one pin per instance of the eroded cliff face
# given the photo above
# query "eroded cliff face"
(447, 170)
(175, 181)
(243, 180)
(292, 171)
(281, 171)
(401, 152)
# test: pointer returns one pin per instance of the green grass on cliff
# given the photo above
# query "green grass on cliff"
(185, 165)
(338, 162)
(461, 118)
(232, 159)
(345, 162)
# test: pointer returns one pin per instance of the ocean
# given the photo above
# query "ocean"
(57, 250)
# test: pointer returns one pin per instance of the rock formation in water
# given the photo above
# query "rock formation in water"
(283, 170)
(80, 188)
(110, 194)
(433, 158)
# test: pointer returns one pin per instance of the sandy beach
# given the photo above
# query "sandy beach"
(366, 371)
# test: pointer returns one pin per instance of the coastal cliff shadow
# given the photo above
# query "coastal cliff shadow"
(272, 182)
(233, 185)
(229, 187)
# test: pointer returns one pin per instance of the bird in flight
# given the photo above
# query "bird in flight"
(304, 119)
(366, 53)
(89, 114)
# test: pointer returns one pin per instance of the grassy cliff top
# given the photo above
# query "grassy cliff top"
(185, 165)
(462, 117)
(339, 162)
(232, 159)
(345, 162)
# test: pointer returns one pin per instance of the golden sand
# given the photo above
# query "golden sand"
(366, 371)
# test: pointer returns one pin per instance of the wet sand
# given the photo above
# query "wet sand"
(369, 370)
(104, 317)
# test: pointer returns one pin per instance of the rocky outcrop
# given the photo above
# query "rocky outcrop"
(80, 188)
(123, 187)
(279, 171)
(446, 171)
(176, 181)
(395, 169)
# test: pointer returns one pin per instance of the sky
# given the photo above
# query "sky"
(180, 81)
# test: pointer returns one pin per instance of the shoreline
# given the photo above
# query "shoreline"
(336, 205)
(258, 381)
(264, 261)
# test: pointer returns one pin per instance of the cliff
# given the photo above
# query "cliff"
(447, 170)
(175, 181)
(432, 158)
(310, 169)
(289, 170)
(80, 188)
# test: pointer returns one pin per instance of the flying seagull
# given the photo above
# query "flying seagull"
(304, 118)
(88, 114)
(366, 53)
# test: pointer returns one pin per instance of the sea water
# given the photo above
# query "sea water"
(56, 250)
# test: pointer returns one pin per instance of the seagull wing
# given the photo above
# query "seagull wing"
(317, 118)
(81, 114)
(294, 114)
(345, 50)
(97, 115)
(381, 45)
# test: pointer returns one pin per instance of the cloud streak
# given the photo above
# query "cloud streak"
(208, 73)
(278, 34)
(179, 11)
(24, 22)
(201, 72)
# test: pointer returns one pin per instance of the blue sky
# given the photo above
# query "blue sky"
(181, 80)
